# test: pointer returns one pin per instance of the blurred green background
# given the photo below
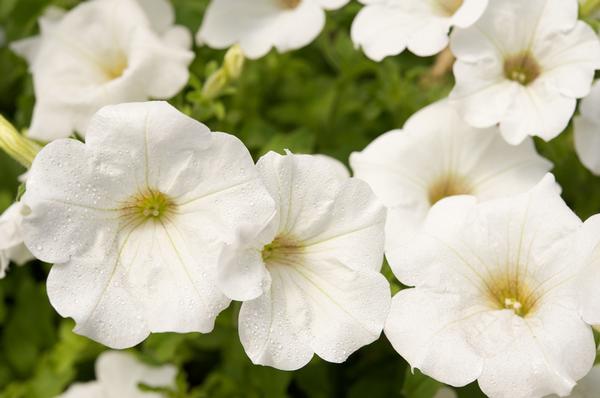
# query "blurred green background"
(327, 98)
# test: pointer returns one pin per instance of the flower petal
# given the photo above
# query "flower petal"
(536, 110)
(120, 373)
(427, 329)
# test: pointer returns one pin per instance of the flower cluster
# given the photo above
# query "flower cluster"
(154, 223)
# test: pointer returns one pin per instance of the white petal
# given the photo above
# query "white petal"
(332, 4)
(427, 329)
(259, 26)
(266, 332)
(381, 31)
(160, 13)
(569, 60)
(84, 390)
(481, 95)
(587, 143)
(589, 299)
(326, 307)
(120, 373)
(536, 110)
(469, 13)
(548, 354)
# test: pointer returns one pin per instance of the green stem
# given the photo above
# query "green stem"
(589, 8)
(17, 146)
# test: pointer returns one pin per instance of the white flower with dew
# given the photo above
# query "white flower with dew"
(259, 25)
(102, 52)
(523, 65)
(438, 155)
(586, 129)
(135, 218)
(495, 297)
(388, 27)
(317, 262)
(118, 375)
(12, 247)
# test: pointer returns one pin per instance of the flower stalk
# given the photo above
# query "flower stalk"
(589, 7)
(16, 145)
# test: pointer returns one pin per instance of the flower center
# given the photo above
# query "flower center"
(115, 67)
(446, 186)
(449, 7)
(149, 205)
(289, 4)
(512, 293)
(522, 68)
(281, 251)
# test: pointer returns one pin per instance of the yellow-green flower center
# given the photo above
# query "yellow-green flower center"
(115, 67)
(522, 68)
(281, 251)
(512, 292)
(449, 7)
(289, 4)
(446, 186)
(149, 205)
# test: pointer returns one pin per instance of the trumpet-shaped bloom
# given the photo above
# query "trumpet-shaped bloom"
(523, 65)
(495, 297)
(587, 130)
(12, 247)
(102, 52)
(134, 221)
(317, 263)
(388, 27)
(438, 155)
(119, 375)
(259, 25)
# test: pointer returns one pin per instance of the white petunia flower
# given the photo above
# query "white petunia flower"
(12, 247)
(259, 25)
(438, 155)
(118, 375)
(388, 27)
(318, 263)
(587, 130)
(134, 220)
(102, 52)
(523, 65)
(495, 297)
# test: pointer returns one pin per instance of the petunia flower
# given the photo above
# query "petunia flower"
(388, 27)
(495, 298)
(317, 262)
(118, 375)
(438, 155)
(12, 247)
(523, 65)
(587, 130)
(259, 25)
(135, 218)
(102, 52)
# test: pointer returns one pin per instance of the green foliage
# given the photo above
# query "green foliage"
(326, 98)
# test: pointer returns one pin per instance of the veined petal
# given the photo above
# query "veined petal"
(427, 329)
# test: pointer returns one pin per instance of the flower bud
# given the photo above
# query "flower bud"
(234, 62)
